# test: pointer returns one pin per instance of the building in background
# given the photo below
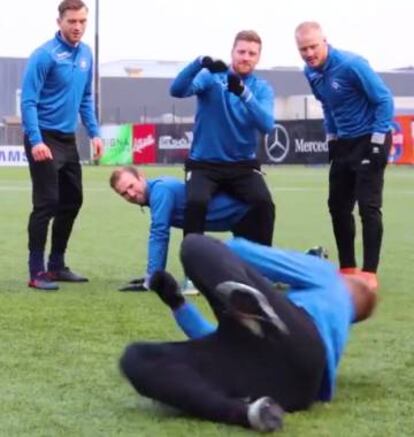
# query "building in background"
(137, 91)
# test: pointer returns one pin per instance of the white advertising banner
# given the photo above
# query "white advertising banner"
(12, 156)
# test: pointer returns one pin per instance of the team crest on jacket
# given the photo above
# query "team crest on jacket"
(335, 85)
(83, 64)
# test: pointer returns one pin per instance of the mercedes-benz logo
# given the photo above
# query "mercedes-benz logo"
(277, 144)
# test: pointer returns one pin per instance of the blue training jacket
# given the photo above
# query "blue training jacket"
(166, 201)
(354, 98)
(226, 126)
(57, 86)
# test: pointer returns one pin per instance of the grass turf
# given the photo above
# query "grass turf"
(58, 366)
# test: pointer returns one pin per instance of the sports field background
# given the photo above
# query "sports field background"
(59, 351)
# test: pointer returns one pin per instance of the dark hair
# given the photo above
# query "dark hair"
(116, 174)
(70, 5)
(248, 35)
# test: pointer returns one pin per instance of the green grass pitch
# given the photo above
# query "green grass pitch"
(58, 363)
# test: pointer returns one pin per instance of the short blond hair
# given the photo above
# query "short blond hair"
(308, 25)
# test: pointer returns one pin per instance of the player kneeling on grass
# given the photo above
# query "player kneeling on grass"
(270, 352)
(165, 197)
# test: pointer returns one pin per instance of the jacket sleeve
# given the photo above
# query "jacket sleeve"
(87, 110)
(161, 206)
(377, 93)
(293, 268)
(192, 322)
(191, 80)
(37, 69)
(260, 107)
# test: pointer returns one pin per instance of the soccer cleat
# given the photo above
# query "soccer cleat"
(318, 251)
(370, 278)
(188, 288)
(41, 281)
(249, 306)
(265, 415)
(167, 288)
(349, 271)
(65, 275)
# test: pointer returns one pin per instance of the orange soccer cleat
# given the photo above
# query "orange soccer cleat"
(349, 271)
(370, 278)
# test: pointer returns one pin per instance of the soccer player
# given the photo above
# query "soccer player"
(165, 198)
(234, 107)
(57, 87)
(358, 111)
(270, 352)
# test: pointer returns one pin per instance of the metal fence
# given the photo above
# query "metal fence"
(11, 135)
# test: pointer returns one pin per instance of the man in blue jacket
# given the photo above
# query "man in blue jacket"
(57, 87)
(358, 111)
(271, 351)
(165, 198)
(233, 108)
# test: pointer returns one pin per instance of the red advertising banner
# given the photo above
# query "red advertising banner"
(402, 150)
(143, 144)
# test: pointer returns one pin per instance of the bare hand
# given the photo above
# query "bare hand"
(41, 152)
(98, 147)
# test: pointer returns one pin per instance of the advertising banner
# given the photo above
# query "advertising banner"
(290, 142)
(144, 145)
(174, 142)
(295, 142)
(402, 150)
(12, 156)
(118, 144)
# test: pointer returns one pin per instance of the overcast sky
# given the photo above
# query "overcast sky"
(380, 30)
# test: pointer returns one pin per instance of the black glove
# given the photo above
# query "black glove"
(234, 84)
(165, 285)
(214, 65)
(136, 284)
(318, 251)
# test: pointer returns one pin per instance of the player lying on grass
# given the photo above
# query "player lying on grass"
(165, 198)
(270, 352)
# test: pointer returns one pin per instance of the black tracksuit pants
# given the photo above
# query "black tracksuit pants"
(213, 377)
(243, 181)
(357, 176)
(57, 192)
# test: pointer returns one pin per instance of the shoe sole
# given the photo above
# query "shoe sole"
(190, 292)
(69, 280)
(37, 287)
(258, 308)
(265, 415)
(273, 418)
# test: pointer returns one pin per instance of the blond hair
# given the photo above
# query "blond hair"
(117, 173)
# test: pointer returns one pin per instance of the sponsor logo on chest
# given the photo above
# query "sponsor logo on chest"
(63, 55)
